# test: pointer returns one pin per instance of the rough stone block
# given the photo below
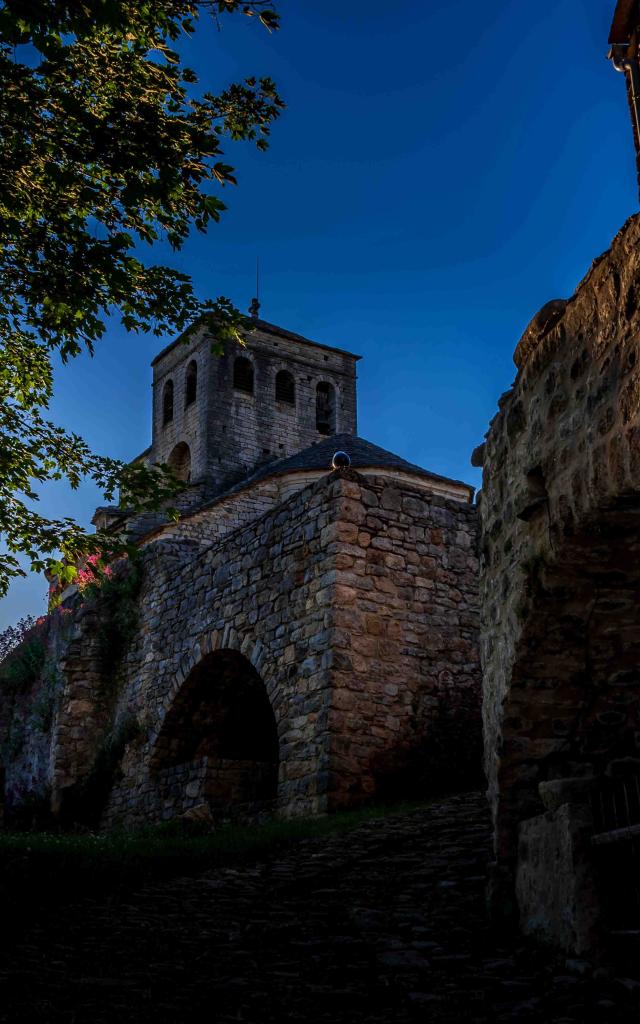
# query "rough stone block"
(555, 886)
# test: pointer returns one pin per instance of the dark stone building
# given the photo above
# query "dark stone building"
(305, 636)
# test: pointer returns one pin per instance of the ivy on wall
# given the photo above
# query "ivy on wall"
(31, 681)
(115, 595)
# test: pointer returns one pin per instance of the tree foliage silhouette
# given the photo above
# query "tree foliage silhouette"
(106, 146)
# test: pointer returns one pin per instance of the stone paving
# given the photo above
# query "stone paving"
(383, 924)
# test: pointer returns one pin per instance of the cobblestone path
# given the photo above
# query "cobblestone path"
(383, 924)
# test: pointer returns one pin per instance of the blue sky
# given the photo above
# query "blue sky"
(441, 171)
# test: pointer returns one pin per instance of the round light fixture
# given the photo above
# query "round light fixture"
(340, 461)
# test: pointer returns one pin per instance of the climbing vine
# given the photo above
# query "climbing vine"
(115, 590)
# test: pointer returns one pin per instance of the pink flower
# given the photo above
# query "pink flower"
(92, 572)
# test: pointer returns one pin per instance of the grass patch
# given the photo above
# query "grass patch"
(39, 869)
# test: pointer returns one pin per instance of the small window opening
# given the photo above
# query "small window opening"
(167, 403)
(191, 383)
(285, 388)
(243, 375)
(325, 408)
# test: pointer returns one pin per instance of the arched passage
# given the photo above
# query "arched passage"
(219, 743)
(571, 719)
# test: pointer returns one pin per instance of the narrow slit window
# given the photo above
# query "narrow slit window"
(243, 375)
(285, 388)
(191, 383)
(167, 403)
(325, 408)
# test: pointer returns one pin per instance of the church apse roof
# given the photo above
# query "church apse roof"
(363, 454)
(317, 458)
(314, 462)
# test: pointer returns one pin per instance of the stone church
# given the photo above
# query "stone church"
(305, 635)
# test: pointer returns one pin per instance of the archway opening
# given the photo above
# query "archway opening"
(243, 375)
(219, 742)
(191, 384)
(571, 725)
(180, 461)
(285, 388)
(167, 403)
(325, 408)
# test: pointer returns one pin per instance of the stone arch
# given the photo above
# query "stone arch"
(325, 407)
(570, 732)
(167, 403)
(180, 461)
(218, 739)
(191, 384)
(215, 640)
(285, 387)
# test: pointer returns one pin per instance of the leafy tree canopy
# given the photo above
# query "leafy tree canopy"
(105, 145)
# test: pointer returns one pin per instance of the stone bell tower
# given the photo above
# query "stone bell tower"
(217, 418)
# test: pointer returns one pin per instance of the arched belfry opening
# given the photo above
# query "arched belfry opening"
(180, 461)
(167, 403)
(325, 408)
(191, 384)
(219, 742)
(243, 375)
(285, 388)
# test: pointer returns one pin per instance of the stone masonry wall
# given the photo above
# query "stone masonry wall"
(230, 513)
(51, 726)
(560, 551)
(354, 600)
(255, 594)
(245, 504)
(406, 682)
(357, 686)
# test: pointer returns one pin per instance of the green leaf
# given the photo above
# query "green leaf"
(105, 142)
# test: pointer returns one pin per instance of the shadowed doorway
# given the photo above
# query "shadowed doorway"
(219, 743)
